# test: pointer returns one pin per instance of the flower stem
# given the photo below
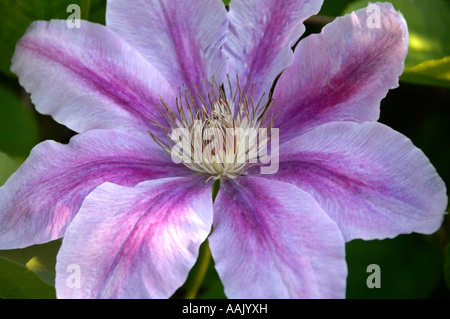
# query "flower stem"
(203, 261)
(215, 189)
(204, 258)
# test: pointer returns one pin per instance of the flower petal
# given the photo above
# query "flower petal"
(182, 39)
(272, 240)
(261, 35)
(41, 198)
(367, 177)
(343, 73)
(88, 78)
(135, 242)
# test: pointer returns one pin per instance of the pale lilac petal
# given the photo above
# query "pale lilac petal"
(40, 199)
(88, 78)
(261, 34)
(135, 242)
(367, 177)
(272, 240)
(182, 39)
(343, 73)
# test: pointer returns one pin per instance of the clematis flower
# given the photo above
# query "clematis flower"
(132, 219)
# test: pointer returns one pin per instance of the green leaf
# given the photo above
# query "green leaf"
(41, 259)
(410, 267)
(432, 72)
(429, 34)
(18, 282)
(7, 167)
(18, 127)
(334, 7)
(447, 266)
(17, 15)
(212, 286)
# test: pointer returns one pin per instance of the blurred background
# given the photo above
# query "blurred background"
(412, 266)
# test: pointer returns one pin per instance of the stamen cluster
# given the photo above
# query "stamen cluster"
(217, 135)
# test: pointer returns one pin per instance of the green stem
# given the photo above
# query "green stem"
(85, 6)
(215, 189)
(203, 261)
(204, 258)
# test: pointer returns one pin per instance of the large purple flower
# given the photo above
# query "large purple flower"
(133, 220)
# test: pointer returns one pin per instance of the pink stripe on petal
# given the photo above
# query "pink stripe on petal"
(343, 73)
(88, 78)
(182, 39)
(42, 197)
(368, 178)
(272, 240)
(135, 242)
(261, 34)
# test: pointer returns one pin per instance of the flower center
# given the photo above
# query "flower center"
(219, 138)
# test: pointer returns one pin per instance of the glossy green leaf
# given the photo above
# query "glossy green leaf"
(432, 72)
(409, 267)
(41, 259)
(18, 282)
(18, 127)
(17, 15)
(429, 34)
(7, 167)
